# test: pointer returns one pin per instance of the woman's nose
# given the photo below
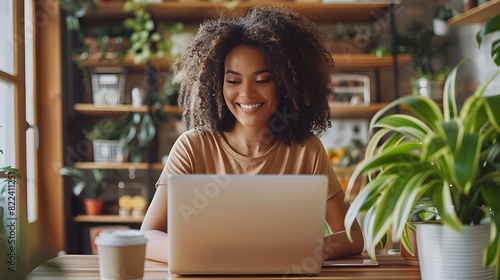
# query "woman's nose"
(246, 90)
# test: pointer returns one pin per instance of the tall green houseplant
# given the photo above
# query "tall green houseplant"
(451, 157)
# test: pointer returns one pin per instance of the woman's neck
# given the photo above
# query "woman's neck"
(249, 142)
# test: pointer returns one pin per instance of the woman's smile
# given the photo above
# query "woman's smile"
(250, 106)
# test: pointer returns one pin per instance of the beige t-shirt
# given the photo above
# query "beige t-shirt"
(194, 153)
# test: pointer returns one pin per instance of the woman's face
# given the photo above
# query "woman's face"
(249, 88)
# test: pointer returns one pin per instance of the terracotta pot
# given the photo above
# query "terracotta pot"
(93, 206)
(410, 259)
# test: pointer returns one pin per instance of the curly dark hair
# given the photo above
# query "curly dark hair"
(293, 54)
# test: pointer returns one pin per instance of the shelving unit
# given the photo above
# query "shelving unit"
(360, 61)
(91, 110)
(199, 10)
(119, 166)
(112, 219)
(195, 12)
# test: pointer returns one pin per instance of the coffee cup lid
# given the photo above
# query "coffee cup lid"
(121, 237)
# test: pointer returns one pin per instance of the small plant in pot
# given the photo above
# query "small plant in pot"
(93, 182)
(350, 38)
(450, 157)
(109, 138)
(425, 49)
(118, 139)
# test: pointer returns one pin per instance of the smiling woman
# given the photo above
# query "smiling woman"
(254, 94)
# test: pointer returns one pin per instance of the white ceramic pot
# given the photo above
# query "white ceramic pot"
(448, 254)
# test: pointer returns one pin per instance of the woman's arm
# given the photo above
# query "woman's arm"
(154, 226)
(337, 244)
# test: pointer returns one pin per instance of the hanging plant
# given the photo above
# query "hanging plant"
(145, 41)
(75, 9)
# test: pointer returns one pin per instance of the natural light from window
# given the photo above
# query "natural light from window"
(7, 133)
(31, 131)
(6, 32)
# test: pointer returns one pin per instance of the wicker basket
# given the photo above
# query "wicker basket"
(110, 151)
(108, 85)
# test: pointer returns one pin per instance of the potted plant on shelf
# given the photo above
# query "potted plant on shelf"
(145, 40)
(118, 139)
(424, 47)
(350, 38)
(450, 157)
(108, 42)
(110, 137)
(93, 181)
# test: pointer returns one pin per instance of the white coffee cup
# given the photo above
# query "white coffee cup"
(121, 254)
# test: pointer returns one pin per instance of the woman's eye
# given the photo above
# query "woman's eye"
(231, 82)
(262, 81)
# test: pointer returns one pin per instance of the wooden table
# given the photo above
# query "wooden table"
(87, 267)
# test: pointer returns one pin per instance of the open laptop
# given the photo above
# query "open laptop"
(246, 224)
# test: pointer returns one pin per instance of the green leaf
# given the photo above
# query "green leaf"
(491, 104)
(489, 27)
(147, 130)
(466, 161)
(155, 37)
(128, 6)
(491, 256)
(397, 155)
(449, 102)
(78, 188)
(474, 106)
(421, 107)
(405, 240)
(404, 124)
(150, 25)
(411, 190)
(444, 204)
(372, 187)
(495, 51)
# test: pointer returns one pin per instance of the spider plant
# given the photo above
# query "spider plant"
(449, 156)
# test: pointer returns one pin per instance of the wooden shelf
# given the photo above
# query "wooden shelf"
(477, 14)
(359, 61)
(157, 166)
(366, 61)
(112, 165)
(200, 10)
(337, 110)
(95, 60)
(172, 109)
(91, 110)
(355, 111)
(107, 219)
(88, 109)
(119, 165)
